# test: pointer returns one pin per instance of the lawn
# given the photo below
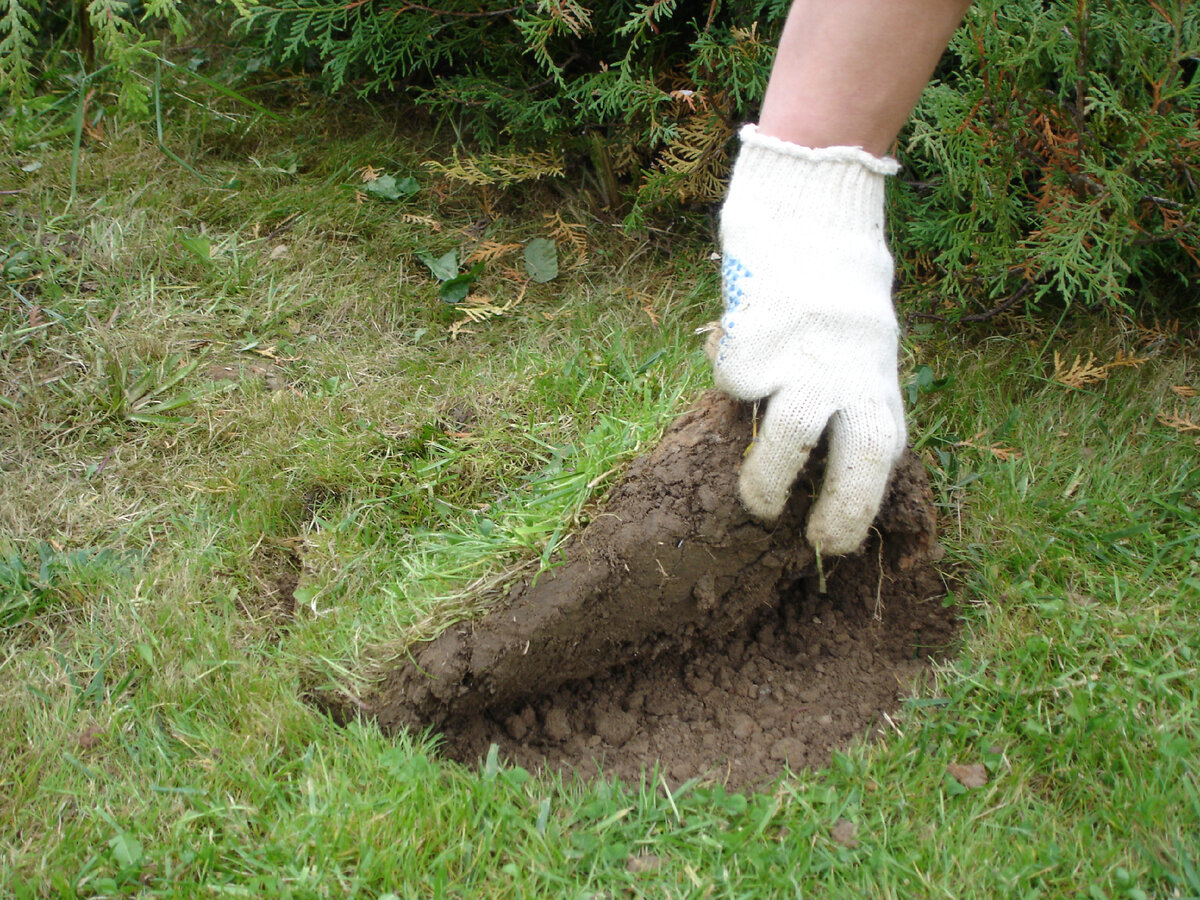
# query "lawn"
(247, 448)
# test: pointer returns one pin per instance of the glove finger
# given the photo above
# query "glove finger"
(864, 444)
(786, 435)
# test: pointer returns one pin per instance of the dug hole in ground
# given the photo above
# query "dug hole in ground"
(677, 633)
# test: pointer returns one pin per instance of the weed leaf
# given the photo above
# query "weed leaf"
(21, 596)
(923, 381)
(126, 850)
(386, 187)
(200, 247)
(456, 289)
(541, 260)
(147, 397)
(443, 267)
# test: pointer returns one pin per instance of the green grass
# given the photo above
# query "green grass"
(155, 743)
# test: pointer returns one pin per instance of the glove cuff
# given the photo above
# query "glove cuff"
(752, 137)
(833, 190)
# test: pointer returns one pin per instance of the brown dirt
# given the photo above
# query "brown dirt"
(678, 631)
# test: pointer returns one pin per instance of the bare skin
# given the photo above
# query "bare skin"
(848, 73)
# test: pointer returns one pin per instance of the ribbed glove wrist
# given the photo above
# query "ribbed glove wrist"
(822, 188)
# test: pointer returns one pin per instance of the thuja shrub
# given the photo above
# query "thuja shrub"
(645, 93)
(1056, 155)
(94, 42)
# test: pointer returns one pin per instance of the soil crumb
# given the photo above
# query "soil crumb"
(675, 631)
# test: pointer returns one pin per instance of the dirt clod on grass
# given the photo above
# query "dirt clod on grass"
(677, 631)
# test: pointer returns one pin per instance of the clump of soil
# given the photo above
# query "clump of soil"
(677, 630)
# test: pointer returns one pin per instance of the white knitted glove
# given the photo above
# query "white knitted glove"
(809, 324)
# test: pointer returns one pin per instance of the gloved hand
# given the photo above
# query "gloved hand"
(809, 326)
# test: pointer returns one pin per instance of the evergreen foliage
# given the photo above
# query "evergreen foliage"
(1057, 154)
(645, 90)
(109, 38)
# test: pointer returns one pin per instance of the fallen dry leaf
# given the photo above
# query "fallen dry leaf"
(269, 353)
(572, 234)
(691, 98)
(1002, 453)
(1160, 334)
(1180, 421)
(973, 775)
(1183, 391)
(845, 832)
(1079, 373)
(427, 221)
(645, 862)
(479, 308)
(491, 250)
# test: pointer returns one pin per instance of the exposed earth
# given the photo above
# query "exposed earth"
(676, 632)
(802, 679)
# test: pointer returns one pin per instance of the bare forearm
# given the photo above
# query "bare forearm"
(848, 73)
